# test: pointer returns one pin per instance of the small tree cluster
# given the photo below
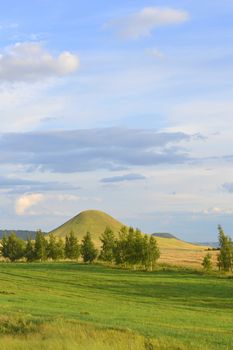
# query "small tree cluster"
(13, 247)
(225, 256)
(207, 263)
(131, 247)
(86, 249)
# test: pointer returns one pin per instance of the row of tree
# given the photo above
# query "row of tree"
(130, 247)
(42, 248)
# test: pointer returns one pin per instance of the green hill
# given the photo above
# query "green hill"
(94, 221)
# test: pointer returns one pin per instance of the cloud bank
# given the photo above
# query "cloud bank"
(87, 150)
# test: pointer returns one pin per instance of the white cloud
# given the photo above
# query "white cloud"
(26, 201)
(31, 62)
(142, 23)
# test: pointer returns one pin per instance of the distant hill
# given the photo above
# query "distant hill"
(163, 235)
(94, 221)
(20, 233)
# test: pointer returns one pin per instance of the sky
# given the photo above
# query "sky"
(122, 106)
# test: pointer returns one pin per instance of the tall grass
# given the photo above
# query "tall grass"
(20, 333)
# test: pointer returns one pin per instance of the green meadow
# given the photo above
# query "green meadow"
(78, 306)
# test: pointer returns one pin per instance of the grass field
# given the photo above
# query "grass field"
(176, 252)
(75, 306)
(186, 257)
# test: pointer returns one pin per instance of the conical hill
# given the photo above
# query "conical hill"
(94, 221)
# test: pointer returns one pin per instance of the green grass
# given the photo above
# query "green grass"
(182, 309)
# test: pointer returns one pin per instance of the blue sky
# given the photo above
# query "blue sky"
(123, 106)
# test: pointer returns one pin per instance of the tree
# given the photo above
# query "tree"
(41, 246)
(4, 248)
(225, 262)
(60, 249)
(13, 247)
(207, 263)
(152, 253)
(145, 247)
(72, 248)
(29, 250)
(138, 241)
(51, 248)
(120, 249)
(88, 251)
(55, 248)
(130, 247)
(108, 245)
(134, 247)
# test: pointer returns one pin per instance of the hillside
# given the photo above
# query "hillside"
(94, 221)
(174, 243)
(208, 244)
(163, 235)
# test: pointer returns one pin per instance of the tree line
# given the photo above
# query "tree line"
(129, 247)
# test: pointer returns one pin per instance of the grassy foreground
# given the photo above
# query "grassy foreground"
(26, 334)
(74, 306)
